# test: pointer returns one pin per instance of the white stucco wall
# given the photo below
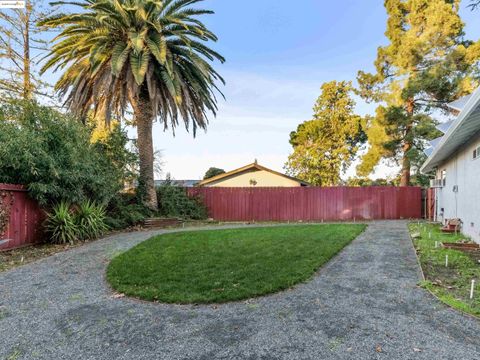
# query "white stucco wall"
(463, 171)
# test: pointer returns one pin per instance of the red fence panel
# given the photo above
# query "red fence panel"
(23, 226)
(311, 203)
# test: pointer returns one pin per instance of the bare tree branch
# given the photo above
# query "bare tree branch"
(22, 48)
(474, 4)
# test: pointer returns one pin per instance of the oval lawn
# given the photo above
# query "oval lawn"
(210, 266)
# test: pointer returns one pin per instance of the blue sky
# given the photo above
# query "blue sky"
(278, 55)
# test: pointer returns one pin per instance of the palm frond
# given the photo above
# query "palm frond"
(114, 51)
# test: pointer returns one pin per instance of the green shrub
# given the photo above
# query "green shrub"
(53, 154)
(123, 211)
(90, 220)
(173, 201)
(60, 225)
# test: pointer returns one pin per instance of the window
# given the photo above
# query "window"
(476, 152)
(444, 177)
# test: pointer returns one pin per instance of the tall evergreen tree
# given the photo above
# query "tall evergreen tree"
(324, 147)
(426, 64)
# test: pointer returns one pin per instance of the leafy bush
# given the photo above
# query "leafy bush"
(52, 153)
(60, 224)
(90, 220)
(173, 201)
(115, 145)
(124, 211)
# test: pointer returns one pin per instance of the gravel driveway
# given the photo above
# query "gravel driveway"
(364, 304)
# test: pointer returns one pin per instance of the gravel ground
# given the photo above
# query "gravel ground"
(364, 304)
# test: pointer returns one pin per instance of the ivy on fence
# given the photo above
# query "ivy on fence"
(5, 208)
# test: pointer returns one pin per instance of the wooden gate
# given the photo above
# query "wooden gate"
(20, 218)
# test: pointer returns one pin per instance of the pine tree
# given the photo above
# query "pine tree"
(426, 64)
(324, 147)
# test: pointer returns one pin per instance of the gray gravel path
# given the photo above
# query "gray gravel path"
(364, 304)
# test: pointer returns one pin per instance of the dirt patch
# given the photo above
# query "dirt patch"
(450, 283)
(17, 257)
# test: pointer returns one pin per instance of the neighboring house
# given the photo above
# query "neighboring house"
(182, 183)
(455, 158)
(131, 186)
(252, 175)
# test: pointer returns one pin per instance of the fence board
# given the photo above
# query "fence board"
(311, 203)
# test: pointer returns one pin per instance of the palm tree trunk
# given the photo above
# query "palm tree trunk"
(144, 120)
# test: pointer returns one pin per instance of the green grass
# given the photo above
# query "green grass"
(451, 284)
(225, 265)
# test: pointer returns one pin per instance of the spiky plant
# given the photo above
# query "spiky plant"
(90, 220)
(150, 55)
(60, 224)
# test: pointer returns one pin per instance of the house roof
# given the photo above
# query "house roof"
(252, 166)
(466, 125)
(460, 103)
(443, 127)
(183, 183)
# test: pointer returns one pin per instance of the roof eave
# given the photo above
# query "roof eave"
(248, 167)
(470, 106)
(226, 174)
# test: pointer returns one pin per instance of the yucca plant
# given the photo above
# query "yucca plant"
(90, 220)
(147, 54)
(60, 224)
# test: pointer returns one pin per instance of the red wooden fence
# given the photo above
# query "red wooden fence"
(23, 226)
(311, 203)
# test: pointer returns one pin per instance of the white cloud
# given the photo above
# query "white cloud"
(189, 166)
(253, 123)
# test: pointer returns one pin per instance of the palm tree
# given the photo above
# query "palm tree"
(147, 55)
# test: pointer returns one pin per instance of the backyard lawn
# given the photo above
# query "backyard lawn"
(451, 284)
(225, 265)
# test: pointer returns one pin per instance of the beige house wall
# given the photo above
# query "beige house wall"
(262, 177)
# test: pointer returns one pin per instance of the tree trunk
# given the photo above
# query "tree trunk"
(144, 120)
(405, 179)
(27, 83)
(407, 145)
